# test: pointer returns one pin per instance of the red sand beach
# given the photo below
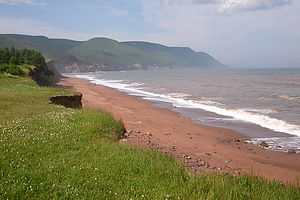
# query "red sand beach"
(203, 148)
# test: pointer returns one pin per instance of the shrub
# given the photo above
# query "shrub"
(11, 69)
(3, 68)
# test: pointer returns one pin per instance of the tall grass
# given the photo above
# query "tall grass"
(51, 152)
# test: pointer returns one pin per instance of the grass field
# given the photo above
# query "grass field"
(51, 152)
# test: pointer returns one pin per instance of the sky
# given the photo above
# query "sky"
(239, 33)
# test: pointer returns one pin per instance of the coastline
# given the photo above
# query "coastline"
(203, 148)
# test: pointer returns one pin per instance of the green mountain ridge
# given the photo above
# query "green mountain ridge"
(103, 54)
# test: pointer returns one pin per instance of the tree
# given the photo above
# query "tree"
(13, 60)
(12, 51)
(5, 56)
(20, 59)
(1, 56)
(38, 60)
(26, 55)
(14, 57)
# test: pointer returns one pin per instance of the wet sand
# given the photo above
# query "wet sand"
(202, 148)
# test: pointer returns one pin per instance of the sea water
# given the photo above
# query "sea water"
(263, 104)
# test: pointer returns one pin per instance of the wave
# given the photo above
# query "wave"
(288, 97)
(180, 100)
(179, 95)
(214, 119)
(262, 111)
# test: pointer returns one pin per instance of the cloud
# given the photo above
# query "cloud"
(32, 27)
(118, 13)
(233, 5)
(121, 14)
(15, 2)
(168, 2)
(87, 7)
(239, 38)
(250, 5)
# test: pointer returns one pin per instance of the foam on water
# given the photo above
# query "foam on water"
(262, 111)
(181, 100)
(279, 143)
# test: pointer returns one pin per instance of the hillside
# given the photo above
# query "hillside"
(107, 54)
(178, 56)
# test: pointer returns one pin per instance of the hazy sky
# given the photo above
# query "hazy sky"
(239, 33)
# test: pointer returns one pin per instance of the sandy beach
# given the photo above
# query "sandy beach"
(201, 147)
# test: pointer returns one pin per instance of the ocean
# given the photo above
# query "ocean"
(263, 104)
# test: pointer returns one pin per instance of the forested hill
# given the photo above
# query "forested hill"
(107, 54)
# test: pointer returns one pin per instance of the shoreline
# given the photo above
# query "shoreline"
(203, 148)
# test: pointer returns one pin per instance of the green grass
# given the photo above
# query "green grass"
(51, 152)
(27, 68)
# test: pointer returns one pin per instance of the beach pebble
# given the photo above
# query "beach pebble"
(237, 140)
(263, 144)
(149, 134)
(187, 156)
(291, 151)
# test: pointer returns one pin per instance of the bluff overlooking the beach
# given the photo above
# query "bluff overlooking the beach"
(106, 54)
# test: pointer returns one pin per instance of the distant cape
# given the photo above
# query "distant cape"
(104, 54)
